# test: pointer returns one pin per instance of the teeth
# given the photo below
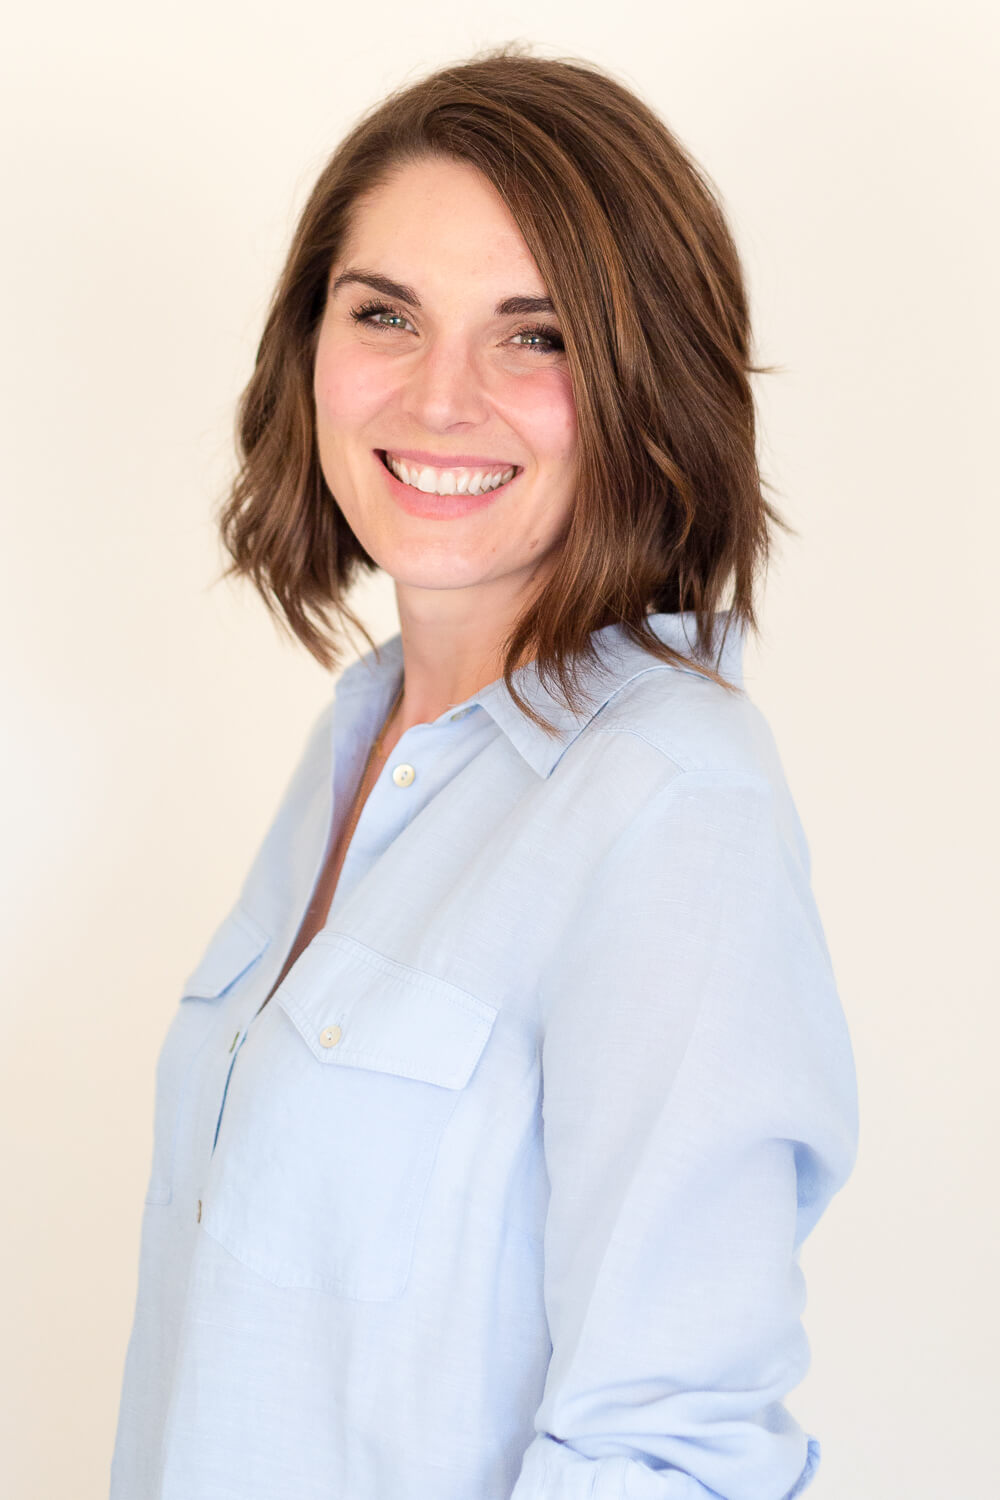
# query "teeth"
(449, 481)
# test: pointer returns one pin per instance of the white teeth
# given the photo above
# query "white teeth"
(432, 481)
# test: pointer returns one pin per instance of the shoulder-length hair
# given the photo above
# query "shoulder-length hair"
(633, 247)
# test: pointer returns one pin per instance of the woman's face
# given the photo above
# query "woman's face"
(419, 358)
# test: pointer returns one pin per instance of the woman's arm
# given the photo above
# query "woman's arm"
(699, 1112)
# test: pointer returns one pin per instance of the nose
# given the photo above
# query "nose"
(445, 387)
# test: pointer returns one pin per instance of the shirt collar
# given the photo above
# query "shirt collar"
(620, 661)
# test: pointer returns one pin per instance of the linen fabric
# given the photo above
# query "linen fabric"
(501, 1195)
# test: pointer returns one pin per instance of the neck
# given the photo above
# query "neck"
(452, 647)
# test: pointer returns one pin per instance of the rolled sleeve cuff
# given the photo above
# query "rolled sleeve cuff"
(553, 1470)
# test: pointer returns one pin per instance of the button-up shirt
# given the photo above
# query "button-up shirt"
(501, 1195)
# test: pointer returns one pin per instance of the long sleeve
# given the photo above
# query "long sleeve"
(699, 1112)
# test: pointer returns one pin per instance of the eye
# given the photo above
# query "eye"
(545, 339)
(552, 339)
(369, 312)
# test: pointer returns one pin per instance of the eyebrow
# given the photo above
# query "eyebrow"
(509, 307)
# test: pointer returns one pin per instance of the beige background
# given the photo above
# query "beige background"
(155, 159)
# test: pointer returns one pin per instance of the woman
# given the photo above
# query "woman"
(493, 1117)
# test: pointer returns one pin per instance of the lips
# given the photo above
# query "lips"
(429, 505)
(423, 459)
(453, 479)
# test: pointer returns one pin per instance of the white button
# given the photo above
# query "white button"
(330, 1036)
(199, 1210)
(403, 775)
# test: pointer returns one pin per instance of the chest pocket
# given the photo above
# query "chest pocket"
(336, 1108)
(231, 954)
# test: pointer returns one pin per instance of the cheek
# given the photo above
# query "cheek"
(348, 388)
(547, 415)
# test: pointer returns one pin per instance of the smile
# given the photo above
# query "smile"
(432, 481)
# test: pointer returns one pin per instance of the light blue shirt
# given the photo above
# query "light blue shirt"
(501, 1196)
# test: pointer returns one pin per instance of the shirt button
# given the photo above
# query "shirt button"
(403, 775)
(330, 1036)
(199, 1210)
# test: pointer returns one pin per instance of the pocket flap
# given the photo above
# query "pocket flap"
(231, 950)
(355, 1008)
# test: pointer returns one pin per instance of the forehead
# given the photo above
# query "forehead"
(440, 226)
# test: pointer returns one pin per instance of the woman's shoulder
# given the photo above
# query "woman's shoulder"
(691, 724)
(673, 732)
(670, 712)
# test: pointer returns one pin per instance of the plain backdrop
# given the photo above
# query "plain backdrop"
(154, 162)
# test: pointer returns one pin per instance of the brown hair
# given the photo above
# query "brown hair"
(634, 250)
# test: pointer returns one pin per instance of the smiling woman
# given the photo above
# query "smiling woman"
(494, 1114)
(542, 250)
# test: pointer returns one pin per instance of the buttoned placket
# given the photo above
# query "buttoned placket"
(382, 810)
